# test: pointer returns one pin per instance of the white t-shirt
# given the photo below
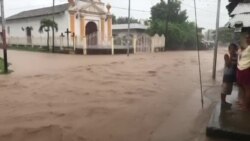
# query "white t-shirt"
(244, 59)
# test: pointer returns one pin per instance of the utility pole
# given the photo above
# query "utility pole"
(167, 20)
(4, 38)
(198, 51)
(53, 29)
(216, 40)
(128, 36)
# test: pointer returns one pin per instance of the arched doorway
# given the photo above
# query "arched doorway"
(91, 33)
(29, 34)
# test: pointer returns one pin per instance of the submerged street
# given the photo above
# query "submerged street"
(144, 97)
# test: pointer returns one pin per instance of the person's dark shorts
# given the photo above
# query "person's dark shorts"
(243, 77)
(227, 88)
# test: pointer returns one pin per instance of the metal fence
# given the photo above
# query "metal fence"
(143, 43)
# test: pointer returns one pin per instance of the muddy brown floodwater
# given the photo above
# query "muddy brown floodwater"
(144, 97)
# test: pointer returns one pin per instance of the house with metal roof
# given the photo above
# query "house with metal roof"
(240, 15)
(87, 23)
(240, 21)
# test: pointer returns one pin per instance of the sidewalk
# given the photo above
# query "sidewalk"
(230, 123)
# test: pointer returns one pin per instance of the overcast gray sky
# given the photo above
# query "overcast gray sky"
(206, 9)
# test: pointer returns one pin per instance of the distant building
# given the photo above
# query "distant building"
(135, 29)
(138, 36)
(240, 21)
(209, 35)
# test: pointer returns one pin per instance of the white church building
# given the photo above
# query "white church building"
(88, 21)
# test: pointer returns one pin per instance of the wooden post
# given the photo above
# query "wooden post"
(4, 38)
(128, 36)
(53, 28)
(216, 40)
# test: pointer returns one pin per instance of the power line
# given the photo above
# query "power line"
(137, 10)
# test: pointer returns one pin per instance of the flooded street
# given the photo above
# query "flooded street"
(144, 97)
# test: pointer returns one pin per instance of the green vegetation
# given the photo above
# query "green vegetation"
(181, 33)
(1, 65)
(27, 48)
(46, 25)
(123, 20)
(225, 35)
(36, 48)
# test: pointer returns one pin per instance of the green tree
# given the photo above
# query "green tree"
(225, 35)
(113, 19)
(1, 65)
(181, 33)
(160, 12)
(46, 25)
(124, 20)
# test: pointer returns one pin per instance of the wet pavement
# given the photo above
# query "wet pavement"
(230, 123)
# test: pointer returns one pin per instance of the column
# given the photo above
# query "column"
(112, 46)
(102, 28)
(72, 21)
(134, 44)
(110, 27)
(83, 27)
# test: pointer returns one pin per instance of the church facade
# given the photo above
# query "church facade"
(82, 24)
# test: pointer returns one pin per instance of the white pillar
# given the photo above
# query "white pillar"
(152, 45)
(32, 45)
(84, 46)
(112, 46)
(134, 44)
(61, 43)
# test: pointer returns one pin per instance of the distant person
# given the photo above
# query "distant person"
(229, 76)
(243, 73)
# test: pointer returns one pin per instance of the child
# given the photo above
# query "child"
(229, 76)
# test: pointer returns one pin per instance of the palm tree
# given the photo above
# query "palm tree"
(46, 25)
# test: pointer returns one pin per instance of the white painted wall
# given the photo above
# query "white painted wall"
(16, 25)
(17, 36)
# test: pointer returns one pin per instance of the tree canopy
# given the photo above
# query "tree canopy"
(46, 25)
(160, 12)
(124, 20)
(181, 33)
(225, 35)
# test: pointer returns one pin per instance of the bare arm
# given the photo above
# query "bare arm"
(227, 60)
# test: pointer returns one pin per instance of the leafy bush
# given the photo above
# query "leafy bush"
(1, 65)
(181, 33)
